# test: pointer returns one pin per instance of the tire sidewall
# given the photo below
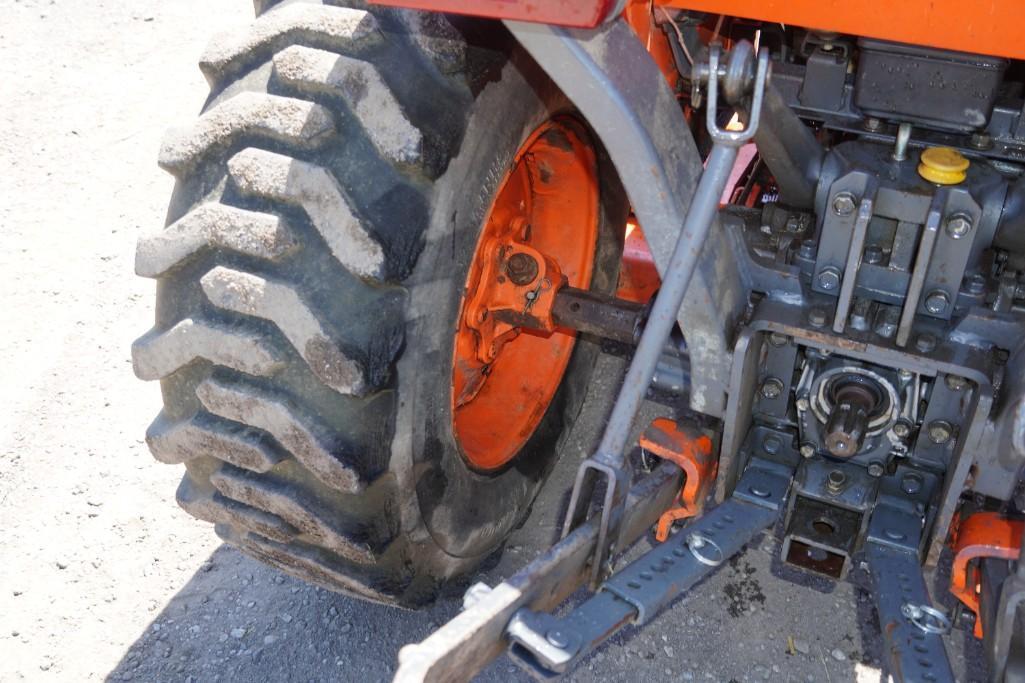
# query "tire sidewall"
(468, 513)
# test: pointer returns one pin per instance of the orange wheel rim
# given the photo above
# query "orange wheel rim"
(550, 200)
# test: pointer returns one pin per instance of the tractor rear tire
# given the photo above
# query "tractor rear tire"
(309, 279)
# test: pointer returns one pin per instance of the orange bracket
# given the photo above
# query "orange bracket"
(517, 289)
(692, 451)
(982, 535)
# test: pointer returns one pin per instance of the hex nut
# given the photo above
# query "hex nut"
(807, 450)
(925, 342)
(876, 469)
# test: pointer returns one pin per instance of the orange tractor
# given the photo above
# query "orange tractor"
(404, 231)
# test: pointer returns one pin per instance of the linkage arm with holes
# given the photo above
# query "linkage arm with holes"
(912, 629)
(547, 646)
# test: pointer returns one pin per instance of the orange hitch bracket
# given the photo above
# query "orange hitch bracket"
(982, 535)
(686, 446)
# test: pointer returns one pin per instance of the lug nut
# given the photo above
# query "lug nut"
(522, 268)
(772, 388)
(843, 204)
(829, 278)
(959, 225)
(940, 431)
(937, 301)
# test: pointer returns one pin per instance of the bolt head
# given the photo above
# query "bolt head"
(817, 317)
(772, 444)
(911, 484)
(925, 342)
(872, 124)
(844, 204)
(808, 249)
(940, 431)
(778, 339)
(875, 469)
(803, 404)
(904, 374)
(772, 388)
(974, 284)
(901, 430)
(959, 225)
(955, 383)
(557, 638)
(522, 268)
(937, 301)
(807, 450)
(829, 278)
(873, 255)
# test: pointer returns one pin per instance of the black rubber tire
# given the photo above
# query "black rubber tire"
(328, 202)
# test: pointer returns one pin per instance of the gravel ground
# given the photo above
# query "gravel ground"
(102, 575)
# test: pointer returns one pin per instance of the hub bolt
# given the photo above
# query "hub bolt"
(843, 204)
(959, 225)
(937, 301)
(940, 431)
(772, 388)
(835, 481)
(829, 278)
(522, 268)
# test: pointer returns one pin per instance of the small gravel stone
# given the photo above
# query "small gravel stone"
(237, 632)
(270, 639)
(668, 650)
(287, 618)
(345, 628)
(801, 646)
(838, 655)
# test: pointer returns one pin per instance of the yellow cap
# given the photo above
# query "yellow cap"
(943, 166)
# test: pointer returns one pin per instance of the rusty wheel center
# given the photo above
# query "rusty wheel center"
(541, 230)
